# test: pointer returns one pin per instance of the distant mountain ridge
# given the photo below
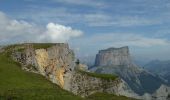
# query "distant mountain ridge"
(161, 68)
(113, 56)
(118, 61)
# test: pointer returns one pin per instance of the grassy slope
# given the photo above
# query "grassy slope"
(16, 84)
(43, 45)
(103, 76)
(104, 96)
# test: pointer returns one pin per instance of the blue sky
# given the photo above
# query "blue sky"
(90, 25)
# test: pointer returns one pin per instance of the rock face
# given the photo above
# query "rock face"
(84, 85)
(163, 93)
(161, 68)
(113, 56)
(118, 61)
(57, 63)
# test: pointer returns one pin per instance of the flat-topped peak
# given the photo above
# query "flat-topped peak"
(122, 50)
(113, 48)
(113, 56)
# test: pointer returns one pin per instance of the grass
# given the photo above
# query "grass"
(104, 96)
(42, 45)
(17, 84)
(35, 46)
(103, 76)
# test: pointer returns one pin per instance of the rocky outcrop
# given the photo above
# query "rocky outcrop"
(113, 56)
(162, 93)
(84, 85)
(162, 68)
(118, 61)
(57, 63)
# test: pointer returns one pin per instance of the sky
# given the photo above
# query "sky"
(90, 25)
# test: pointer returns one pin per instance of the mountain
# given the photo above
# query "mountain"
(18, 84)
(56, 62)
(113, 56)
(161, 68)
(117, 61)
(162, 93)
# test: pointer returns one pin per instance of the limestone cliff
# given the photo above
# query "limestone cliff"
(57, 63)
(118, 61)
(84, 84)
(113, 56)
(162, 93)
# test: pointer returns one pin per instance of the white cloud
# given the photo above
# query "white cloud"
(93, 18)
(92, 3)
(101, 41)
(60, 33)
(98, 20)
(14, 31)
(119, 21)
(143, 42)
(135, 21)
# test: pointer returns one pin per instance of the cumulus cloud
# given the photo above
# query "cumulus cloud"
(59, 33)
(12, 31)
(16, 31)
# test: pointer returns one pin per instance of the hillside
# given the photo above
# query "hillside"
(17, 84)
(118, 61)
(161, 68)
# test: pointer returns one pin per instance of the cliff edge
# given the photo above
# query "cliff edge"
(117, 61)
(57, 63)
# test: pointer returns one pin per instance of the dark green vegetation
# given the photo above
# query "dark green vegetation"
(20, 47)
(17, 84)
(104, 96)
(42, 45)
(103, 76)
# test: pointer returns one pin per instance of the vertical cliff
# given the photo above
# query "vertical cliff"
(57, 63)
(113, 56)
(118, 61)
(87, 83)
